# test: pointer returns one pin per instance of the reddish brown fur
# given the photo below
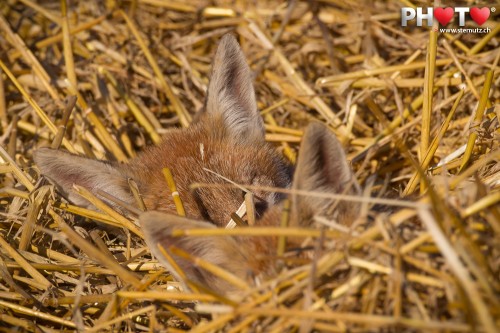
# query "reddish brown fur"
(227, 139)
(321, 168)
(255, 163)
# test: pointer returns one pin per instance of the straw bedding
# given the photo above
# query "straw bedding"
(407, 102)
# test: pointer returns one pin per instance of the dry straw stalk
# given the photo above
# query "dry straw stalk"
(412, 106)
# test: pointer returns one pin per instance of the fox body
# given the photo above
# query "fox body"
(321, 167)
(226, 142)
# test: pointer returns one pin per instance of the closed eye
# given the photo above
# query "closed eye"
(260, 207)
(201, 206)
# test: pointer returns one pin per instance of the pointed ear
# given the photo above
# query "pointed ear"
(230, 92)
(65, 169)
(322, 167)
(223, 252)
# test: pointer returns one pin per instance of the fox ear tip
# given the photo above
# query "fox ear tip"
(228, 37)
(229, 43)
(44, 156)
(317, 131)
(318, 126)
(41, 152)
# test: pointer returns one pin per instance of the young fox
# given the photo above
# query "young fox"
(227, 142)
(322, 167)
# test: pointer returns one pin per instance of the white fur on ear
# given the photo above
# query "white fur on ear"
(322, 167)
(231, 94)
(322, 164)
(65, 169)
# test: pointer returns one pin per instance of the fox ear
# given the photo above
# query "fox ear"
(322, 167)
(230, 92)
(65, 169)
(223, 252)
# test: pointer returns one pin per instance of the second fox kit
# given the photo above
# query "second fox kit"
(321, 167)
(227, 140)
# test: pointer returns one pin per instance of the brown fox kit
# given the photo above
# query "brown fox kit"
(227, 141)
(321, 167)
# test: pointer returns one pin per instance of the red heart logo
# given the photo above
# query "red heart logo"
(480, 15)
(444, 15)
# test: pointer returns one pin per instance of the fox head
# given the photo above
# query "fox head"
(226, 144)
(321, 167)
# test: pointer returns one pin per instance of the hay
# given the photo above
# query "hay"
(420, 127)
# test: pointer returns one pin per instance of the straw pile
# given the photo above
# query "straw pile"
(407, 102)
